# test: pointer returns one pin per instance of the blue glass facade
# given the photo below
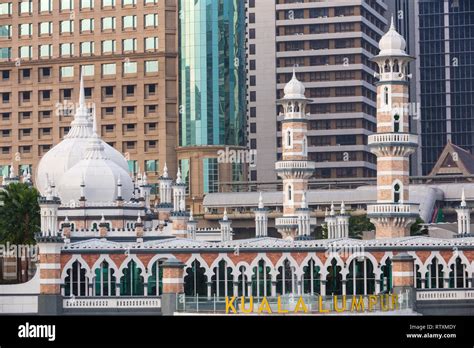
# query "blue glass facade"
(446, 31)
(212, 72)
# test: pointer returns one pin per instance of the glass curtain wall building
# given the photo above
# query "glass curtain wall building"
(212, 72)
(212, 91)
(446, 86)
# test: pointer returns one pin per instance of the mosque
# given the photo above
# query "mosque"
(103, 239)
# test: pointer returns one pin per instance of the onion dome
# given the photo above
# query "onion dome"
(294, 89)
(95, 177)
(392, 43)
(71, 149)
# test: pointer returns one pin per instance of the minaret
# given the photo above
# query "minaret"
(49, 205)
(165, 206)
(179, 191)
(304, 219)
(192, 226)
(331, 222)
(261, 219)
(294, 168)
(145, 190)
(464, 217)
(343, 222)
(393, 214)
(226, 230)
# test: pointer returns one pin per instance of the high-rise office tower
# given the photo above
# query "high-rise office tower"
(212, 95)
(128, 52)
(330, 43)
(445, 36)
(441, 103)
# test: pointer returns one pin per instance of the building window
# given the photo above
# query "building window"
(46, 28)
(152, 166)
(67, 71)
(129, 45)
(151, 66)
(46, 5)
(151, 20)
(87, 4)
(66, 49)
(88, 70)
(108, 46)
(87, 48)
(130, 68)
(129, 2)
(109, 69)
(108, 23)
(46, 51)
(26, 52)
(67, 5)
(397, 193)
(211, 175)
(6, 9)
(67, 27)
(26, 7)
(26, 29)
(108, 3)
(151, 44)
(129, 22)
(87, 25)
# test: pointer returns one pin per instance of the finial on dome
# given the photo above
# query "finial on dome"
(327, 212)
(294, 73)
(102, 219)
(463, 199)
(333, 212)
(66, 220)
(179, 179)
(225, 218)
(165, 171)
(139, 219)
(144, 179)
(343, 208)
(392, 24)
(191, 216)
(82, 94)
(260, 201)
(94, 123)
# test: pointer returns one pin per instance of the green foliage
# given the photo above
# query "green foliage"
(19, 214)
(358, 225)
(417, 230)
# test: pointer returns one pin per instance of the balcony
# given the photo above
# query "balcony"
(291, 222)
(393, 209)
(296, 165)
(396, 139)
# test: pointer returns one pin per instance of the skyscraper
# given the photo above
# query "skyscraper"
(212, 93)
(445, 35)
(330, 44)
(128, 52)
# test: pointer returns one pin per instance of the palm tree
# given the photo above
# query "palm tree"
(19, 219)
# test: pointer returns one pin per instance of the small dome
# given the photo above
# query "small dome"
(392, 43)
(294, 89)
(99, 175)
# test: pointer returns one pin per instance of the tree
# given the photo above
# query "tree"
(19, 219)
(417, 229)
(358, 225)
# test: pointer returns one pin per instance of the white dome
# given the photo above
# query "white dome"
(392, 43)
(72, 148)
(99, 175)
(294, 89)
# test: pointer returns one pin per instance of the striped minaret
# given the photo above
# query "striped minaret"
(294, 168)
(49, 242)
(393, 214)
